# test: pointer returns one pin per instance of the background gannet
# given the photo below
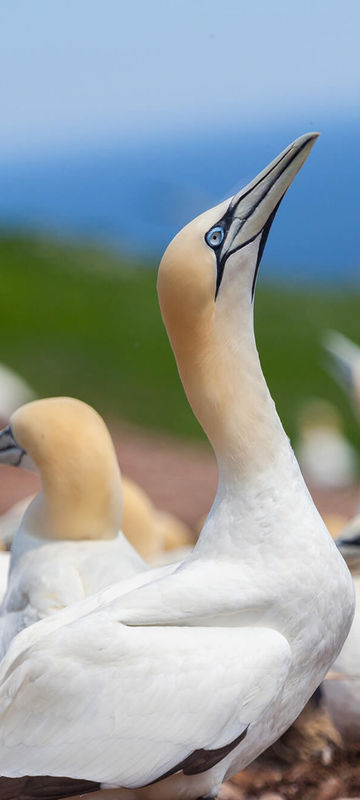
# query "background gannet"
(327, 459)
(345, 363)
(69, 543)
(10, 520)
(14, 392)
(341, 689)
(189, 678)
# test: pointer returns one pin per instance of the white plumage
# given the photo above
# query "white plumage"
(130, 706)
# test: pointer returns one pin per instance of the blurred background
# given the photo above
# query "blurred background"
(120, 122)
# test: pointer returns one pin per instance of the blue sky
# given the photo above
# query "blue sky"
(85, 72)
(123, 119)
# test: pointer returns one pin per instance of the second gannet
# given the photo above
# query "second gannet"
(189, 678)
(69, 543)
(14, 391)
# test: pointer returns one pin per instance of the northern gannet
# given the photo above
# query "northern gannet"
(189, 678)
(341, 689)
(14, 391)
(69, 543)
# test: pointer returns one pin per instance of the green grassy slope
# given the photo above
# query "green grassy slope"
(78, 321)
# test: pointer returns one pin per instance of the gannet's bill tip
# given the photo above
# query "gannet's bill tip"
(310, 136)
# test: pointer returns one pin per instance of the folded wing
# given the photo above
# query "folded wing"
(101, 701)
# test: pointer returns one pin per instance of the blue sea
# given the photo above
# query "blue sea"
(134, 196)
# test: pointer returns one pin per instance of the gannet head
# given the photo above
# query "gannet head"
(223, 246)
(207, 279)
(70, 446)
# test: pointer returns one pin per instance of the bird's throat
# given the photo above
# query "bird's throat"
(226, 388)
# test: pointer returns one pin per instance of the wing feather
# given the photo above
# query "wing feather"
(100, 701)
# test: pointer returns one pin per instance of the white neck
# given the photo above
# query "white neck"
(260, 482)
(220, 369)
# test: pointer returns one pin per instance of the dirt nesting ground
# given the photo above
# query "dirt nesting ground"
(303, 780)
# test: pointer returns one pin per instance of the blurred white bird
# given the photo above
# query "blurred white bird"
(345, 364)
(14, 392)
(69, 543)
(10, 520)
(327, 459)
(341, 689)
(342, 686)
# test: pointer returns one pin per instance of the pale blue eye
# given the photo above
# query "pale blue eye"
(215, 236)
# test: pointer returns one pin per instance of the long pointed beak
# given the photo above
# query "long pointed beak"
(252, 210)
(10, 450)
(344, 359)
